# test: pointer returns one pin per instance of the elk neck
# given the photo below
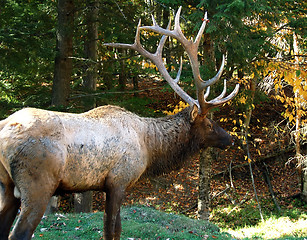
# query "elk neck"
(170, 142)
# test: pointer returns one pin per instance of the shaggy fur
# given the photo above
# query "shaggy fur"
(107, 148)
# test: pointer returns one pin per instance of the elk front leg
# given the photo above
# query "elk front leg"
(112, 222)
(8, 209)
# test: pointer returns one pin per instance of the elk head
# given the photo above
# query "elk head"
(202, 106)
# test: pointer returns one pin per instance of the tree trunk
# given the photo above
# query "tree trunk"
(206, 156)
(62, 66)
(107, 75)
(53, 205)
(135, 81)
(302, 162)
(90, 46)
(90, 52)
(64, 52)
(304, 188)
(83, 202)
(205, 160)
(122, 80)
(252, 88)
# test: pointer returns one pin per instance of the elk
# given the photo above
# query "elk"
(43, 153)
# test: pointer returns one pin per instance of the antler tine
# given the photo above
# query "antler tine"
(207, 93)
(201, 30)
(134, 46)
(177, 29)
(191, 48)
(156, 58)
(220, 99)
(216, 77)
(176, 33)
(163, 38)
(223, 92)
(201, 85)
(154, 23)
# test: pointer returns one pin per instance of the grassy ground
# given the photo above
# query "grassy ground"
(147, 223)
(244, 222)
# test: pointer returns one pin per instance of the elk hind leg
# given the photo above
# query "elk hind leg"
(34, 201)
(112, 221)
(9, 206)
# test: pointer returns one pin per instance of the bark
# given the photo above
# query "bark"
(83, 202)
(107, 75)
(122, 80)
(63, 66)
(135, 81)
(90, 46)
(205, 162)
(252, 88)
(304, 188)
(267, 179)
(64, 52)
(53, 205)
(302, 163)
(206, 156)
(90, 52)
(208, 52)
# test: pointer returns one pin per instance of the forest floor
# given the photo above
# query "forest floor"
(177, 192)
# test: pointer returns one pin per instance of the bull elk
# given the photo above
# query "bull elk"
(43, 153)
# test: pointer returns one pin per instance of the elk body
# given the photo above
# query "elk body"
(108, 148)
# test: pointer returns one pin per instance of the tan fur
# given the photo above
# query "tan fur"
(107, 148)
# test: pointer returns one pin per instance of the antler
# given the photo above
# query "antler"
(192, 49)
(158, 61)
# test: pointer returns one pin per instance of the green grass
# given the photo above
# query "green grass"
(138, 223)
(274, 228)
(147, 223)
(244, 222)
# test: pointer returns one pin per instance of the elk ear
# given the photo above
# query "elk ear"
(193, 113)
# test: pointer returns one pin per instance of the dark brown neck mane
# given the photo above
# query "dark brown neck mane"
(170, 143)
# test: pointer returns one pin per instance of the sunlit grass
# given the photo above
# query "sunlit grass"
(244, 222)
(273, 228)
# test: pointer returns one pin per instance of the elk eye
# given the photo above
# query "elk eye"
(210, 127)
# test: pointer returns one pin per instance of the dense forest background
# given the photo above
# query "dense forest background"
(52, 56)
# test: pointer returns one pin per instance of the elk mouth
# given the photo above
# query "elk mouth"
(226, 142)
